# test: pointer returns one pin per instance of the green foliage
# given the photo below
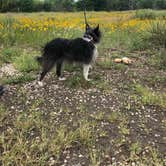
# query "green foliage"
(26, 5)
(145, 4)
(19, 79)
(77, 82)
(153, 37)
(71, 5)
(25, 63)
(145, 14)
(8, 54)
(157, 34)
(149, 97)
(159, 59)
(8, 34)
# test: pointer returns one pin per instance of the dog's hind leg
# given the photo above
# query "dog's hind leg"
(47, 66)
(59, 66)
(86, 68)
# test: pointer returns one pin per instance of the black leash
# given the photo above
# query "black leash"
(86, 22)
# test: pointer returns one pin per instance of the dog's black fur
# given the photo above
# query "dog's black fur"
(72, 50)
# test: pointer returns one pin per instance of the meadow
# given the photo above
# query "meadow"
(118, 118)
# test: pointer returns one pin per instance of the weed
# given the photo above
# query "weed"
(95, 157)
(135, 149)
(157, 34)
(25, 63)
(150, 98)
(19, 79)
(9, 54)
(113, 117)
(159, 60)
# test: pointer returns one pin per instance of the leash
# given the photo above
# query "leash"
(86, 22)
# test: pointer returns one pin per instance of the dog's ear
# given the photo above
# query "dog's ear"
(96, 29)
(88, 28)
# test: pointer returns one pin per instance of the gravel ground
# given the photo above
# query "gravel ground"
(111, 92)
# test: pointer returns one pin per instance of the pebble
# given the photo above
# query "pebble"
(80, 156)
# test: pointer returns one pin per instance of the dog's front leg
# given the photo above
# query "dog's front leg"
(86, 71)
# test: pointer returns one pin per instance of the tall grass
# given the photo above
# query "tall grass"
(117, 32)
(149, 14)
(10, 36)
(145, 14)
(157, 34)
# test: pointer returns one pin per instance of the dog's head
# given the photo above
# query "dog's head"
(93, 33)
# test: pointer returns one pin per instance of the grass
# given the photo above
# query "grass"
(149, 14)
(157, 34)
(31, 138)
(27, 139)
(158, 60)
(19, 79)
(38, 132)
(8, 54)
(149, 97)
(146, 14)
(25, 63)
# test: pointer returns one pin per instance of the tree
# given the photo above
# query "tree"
(145, 4)
(8, 5)
(89, 5)
(26, 5)
(160, 4)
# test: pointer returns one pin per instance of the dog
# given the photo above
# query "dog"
(79, 50)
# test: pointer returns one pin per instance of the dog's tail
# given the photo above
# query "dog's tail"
(39, 59)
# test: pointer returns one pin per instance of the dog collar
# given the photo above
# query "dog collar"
(88, 38)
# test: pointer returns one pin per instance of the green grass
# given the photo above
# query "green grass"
(149, 14)
(8, 54)
(19, 79)
(28, 141)
(25, 63)
(157, 34)
(146, 14)
(33, 136)
(148, 97)
(12, 37)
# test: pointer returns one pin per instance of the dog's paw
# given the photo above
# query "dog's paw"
(88, 79)
(62, 78)
(90, 67)
(40, 83)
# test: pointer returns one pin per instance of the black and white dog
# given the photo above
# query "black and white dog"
(79, 50)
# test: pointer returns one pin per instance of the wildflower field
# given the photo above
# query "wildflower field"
(118, 118)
